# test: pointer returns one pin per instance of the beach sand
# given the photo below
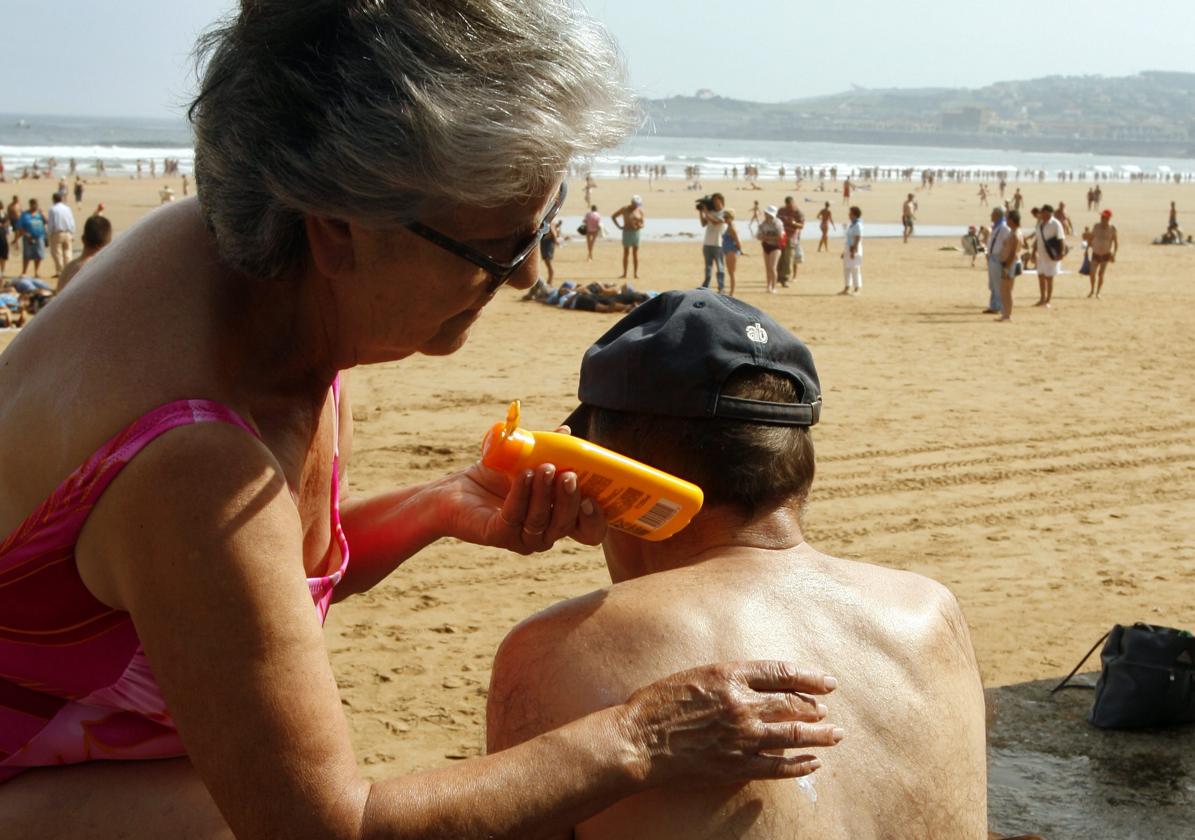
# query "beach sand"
(1044, 469)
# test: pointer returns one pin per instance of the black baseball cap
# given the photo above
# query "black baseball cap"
(672, 355)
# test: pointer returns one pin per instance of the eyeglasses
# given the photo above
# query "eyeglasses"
(499, 271)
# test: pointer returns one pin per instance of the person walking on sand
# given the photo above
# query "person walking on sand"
(593, 229)
(983, 195)
(825, 218)
(630, 220)
(771, 234)
(1018, 200)
(1049, 246)
(792, 256)
(1010, 263)
(852, 255)
(1104, 245)
(732, 247)
(846, 190)
(908, 215)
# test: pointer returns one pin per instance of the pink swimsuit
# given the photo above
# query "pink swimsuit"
(75, 684)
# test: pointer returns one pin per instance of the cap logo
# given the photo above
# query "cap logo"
(757, 333)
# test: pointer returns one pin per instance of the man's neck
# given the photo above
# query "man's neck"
(715, 532)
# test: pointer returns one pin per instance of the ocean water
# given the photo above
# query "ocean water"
(26, 139)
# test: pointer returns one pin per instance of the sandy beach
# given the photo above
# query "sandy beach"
(1043, 469)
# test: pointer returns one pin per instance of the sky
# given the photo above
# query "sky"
(131, 57)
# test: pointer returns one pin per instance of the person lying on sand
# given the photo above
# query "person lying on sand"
(725, 397)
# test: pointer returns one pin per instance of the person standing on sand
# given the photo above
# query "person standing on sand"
(1062, 216)
(846, 190)
(186, 185)
(1010, 263)
(13, 211)
(593, 229)
(792, 256)
(771, 234)
(1018, 200)
(825, 218)
(62, 232)
(732, 247)
(630, 220)
(983, 195)
(713, 219)
(908, 215)
(1049, 245)
(32, 228)
(78, 193)
(5, 231)
(1172, 221)
(852, 255)
(1104, 246)
(547, 249)
(1097, 196)
(997, 241)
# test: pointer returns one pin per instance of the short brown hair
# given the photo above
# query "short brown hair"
(753, 467)
(97, 231)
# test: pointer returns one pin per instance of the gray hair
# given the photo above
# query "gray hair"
(372, 110)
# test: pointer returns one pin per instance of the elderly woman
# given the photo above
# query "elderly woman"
(369, 173)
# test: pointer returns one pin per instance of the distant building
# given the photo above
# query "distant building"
(964, 119)
(706, 93)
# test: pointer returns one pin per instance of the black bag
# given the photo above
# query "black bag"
(1147, 679)
(582, 228)
(1055, 246)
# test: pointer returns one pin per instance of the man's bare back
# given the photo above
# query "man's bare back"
(909, 696)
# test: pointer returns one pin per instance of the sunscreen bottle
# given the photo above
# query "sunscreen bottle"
(635, 498)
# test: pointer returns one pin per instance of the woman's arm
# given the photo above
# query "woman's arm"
(210, 569)
(477, 505)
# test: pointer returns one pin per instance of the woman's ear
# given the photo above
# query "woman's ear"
(331, 245)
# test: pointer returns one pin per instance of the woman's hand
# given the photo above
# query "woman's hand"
(525, 514)
(729, 723)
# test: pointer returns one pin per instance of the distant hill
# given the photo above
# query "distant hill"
(1152, 113)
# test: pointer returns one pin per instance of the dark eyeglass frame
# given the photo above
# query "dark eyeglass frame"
(499, 271)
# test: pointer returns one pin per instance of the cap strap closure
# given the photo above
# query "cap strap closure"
(759, 411)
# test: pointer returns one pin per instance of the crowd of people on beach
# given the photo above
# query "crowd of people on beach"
(34, 232)
(1008, 247)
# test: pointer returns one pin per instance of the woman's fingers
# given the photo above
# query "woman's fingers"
(782, 766)
(777, 675)
(566, 507)
(539, 508)
(779, 706)
(796, 734)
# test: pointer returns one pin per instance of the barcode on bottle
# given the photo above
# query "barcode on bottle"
(663, 511)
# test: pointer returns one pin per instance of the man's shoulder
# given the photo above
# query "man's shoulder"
(913, 609)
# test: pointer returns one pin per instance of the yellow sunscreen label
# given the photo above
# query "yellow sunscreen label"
(634, 497)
